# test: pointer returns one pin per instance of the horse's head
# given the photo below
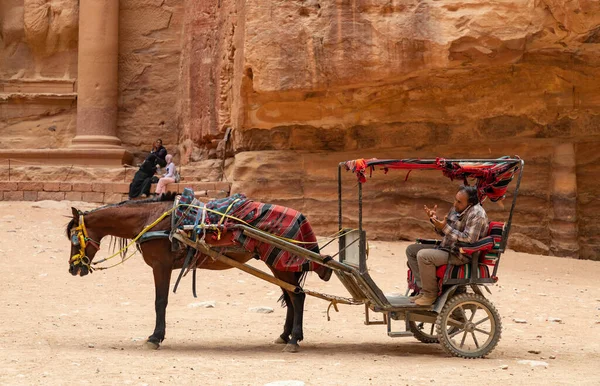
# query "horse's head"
(83, 244)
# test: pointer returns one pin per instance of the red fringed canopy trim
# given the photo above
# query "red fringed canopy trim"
(492, 178)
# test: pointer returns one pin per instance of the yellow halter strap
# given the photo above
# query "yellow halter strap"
(82, 238)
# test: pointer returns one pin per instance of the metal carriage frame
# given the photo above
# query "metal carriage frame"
(447, 315)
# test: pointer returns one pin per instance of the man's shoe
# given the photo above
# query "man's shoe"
(414, 298)
(425, 300)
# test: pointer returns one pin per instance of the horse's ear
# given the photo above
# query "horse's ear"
(76, 213)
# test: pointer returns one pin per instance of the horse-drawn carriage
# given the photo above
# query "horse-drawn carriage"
(223, 234)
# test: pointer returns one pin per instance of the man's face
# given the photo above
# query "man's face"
(461, 201)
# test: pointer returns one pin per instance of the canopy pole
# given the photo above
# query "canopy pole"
(339, 197)
(360, 206)
(512, 209)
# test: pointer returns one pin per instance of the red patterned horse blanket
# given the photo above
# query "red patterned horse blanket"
(274, 219)
(281, 221)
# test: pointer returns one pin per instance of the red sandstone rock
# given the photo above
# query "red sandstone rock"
(323, 82)
(29, 185)
(30, 195)
(51, 186)
(73, 196)
(13, 196)
(82, 187)
(112, 198)
(65, 186)
(92, 197)
(8, 186)
(51, 195)
(99, 187)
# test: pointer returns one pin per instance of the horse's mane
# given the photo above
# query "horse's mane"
(165, 197)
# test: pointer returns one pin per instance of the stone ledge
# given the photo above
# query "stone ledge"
(69, 156)
(97, 192)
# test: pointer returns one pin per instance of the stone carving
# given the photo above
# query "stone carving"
(11, 25)
(51, 26)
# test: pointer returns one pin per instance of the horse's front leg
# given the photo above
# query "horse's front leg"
(162, 280)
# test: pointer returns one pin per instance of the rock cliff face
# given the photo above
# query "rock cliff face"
(413, 78)
(305, 84)
(149, 55)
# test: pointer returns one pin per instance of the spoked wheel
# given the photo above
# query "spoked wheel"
(476, 333)
(424, 332)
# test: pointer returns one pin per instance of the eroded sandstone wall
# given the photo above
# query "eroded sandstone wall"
(359, 71)
(209, 45)
(149, 59)
(351, 79)
(305, 84)
(176, 72)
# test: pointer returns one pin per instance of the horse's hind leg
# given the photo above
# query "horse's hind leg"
(297, 333)
(289, 320)
(292, 330)
(162, 278)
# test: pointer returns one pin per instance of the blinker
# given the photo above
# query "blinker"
(75, 239)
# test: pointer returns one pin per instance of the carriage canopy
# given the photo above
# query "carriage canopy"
(491, 176)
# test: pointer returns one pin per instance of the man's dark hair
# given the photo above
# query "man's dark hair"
(471, 192)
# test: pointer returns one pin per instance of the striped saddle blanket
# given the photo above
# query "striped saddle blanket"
(274, 219)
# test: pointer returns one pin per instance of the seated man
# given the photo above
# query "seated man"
(466, 222)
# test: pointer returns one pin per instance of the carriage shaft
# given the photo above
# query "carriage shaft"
(294, 249)
(205, 249)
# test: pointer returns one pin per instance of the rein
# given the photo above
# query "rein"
(82, 239)
(79, 237)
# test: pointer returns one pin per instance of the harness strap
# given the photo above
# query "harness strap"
(188, 258)
(153, 236)
(223, 218)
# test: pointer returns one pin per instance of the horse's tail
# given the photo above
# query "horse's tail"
(299, 278)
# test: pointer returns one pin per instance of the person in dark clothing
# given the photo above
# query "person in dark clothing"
(143, 177)
(160, 151)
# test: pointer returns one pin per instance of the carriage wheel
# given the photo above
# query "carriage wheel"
(477, 334)
(424, 332)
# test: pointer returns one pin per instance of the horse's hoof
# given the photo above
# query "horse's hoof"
(279, 340)
(151, 345)
(291, 348)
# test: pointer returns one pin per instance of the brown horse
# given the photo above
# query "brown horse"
(127, 219)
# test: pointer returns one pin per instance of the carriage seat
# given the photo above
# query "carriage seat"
(485, 253)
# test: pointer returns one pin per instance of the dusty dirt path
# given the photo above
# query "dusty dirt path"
(57, 329)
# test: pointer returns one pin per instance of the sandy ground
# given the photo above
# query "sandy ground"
(57, 329)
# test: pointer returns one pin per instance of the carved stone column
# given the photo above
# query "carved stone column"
(97, 82)
(563, 224)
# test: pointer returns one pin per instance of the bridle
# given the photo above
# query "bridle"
(80, 238)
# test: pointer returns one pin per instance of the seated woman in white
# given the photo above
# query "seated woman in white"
(168, 177)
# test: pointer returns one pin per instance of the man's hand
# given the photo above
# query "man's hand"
(431, 212)
(439, 225)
